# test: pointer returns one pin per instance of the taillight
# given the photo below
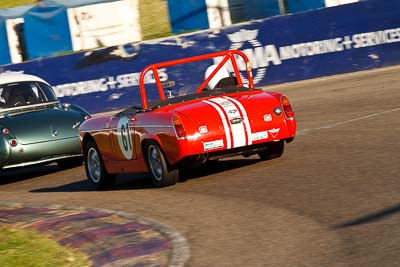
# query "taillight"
(5, 131)
(178, 126)
(287, 107)
(13, 142)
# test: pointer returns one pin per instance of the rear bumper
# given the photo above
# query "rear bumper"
(245, 151)
(44, 152)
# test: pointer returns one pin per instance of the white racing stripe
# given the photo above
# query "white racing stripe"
(224, 123)
(231, 111)
(245, 118)
(228, 109)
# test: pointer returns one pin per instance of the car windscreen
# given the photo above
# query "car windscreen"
(25, 94)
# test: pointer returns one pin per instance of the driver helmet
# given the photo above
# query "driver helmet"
(222, 73)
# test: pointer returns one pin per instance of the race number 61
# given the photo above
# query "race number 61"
(125, 138)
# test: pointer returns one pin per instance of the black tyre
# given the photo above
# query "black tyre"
(274, 150)
(158, 168)
(94, 166)
(70, 162)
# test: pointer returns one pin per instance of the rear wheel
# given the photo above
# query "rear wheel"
(274, 150)
(94, 166)
(158, 168)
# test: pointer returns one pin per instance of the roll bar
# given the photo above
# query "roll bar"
(228, 55)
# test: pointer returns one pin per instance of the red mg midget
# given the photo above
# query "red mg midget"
(223, 116)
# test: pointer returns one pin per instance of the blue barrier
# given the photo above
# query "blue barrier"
(61, 26)
(6, 29)
(306, 45)
(187, 15)
(294, 6)
(5, 54)
(204, 14)
(257, 9)
(47, 31)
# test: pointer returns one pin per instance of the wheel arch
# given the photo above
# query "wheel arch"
(150, 139)
(85, 140)
(154, 139)
(161, 171)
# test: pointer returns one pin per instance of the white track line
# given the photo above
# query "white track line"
(304, 131)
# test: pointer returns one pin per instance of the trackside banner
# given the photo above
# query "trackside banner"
(306, 45)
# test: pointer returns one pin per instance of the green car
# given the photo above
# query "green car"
(35, 128)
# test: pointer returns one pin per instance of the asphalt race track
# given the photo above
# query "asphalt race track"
(333, 199)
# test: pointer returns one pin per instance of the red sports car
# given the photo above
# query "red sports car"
(223, 116)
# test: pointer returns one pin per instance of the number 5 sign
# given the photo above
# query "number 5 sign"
(124, 137)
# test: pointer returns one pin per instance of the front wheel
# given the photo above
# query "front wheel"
(158, 168)
(94, 166)
(274, 150)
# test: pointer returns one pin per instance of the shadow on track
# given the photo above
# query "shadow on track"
(371, 217)
(218, 166)
(143, 181)
(123, 182)
(25, 173)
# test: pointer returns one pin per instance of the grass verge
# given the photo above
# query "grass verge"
(13, 3)
(25, 247)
